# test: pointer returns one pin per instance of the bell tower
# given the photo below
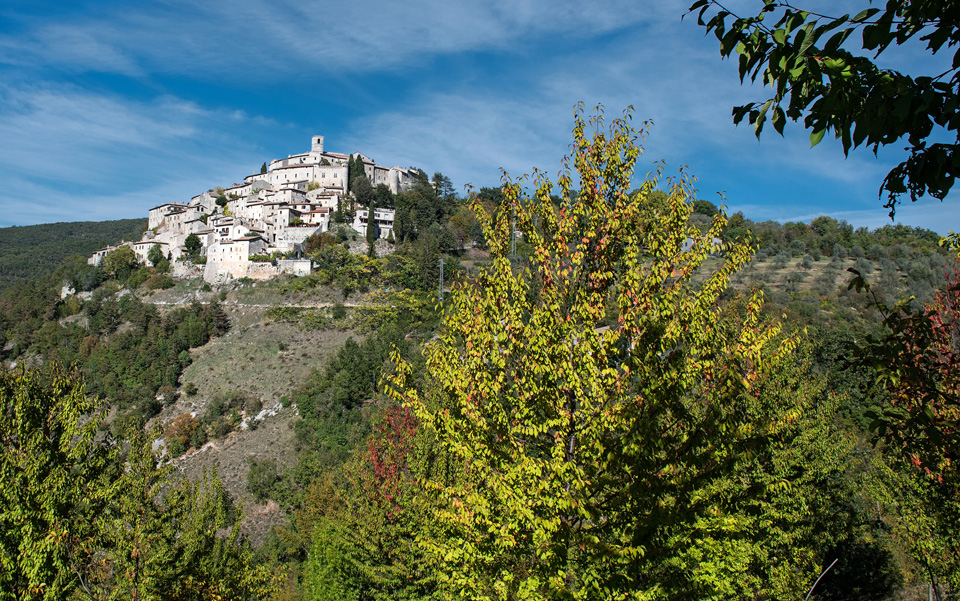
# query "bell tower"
(317, 144)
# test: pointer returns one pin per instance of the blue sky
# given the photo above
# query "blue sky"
(108, 107)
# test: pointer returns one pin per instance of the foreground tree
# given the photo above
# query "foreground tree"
(364, 542)
(78, 518)
(55, 480)
(820, 80)
(605, 411)
(916, 361)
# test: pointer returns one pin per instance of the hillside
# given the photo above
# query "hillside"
(275, 385)
(32, 251)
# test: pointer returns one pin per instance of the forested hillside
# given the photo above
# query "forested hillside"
(33, 251)
(625, 394)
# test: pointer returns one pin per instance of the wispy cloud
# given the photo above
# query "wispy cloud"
(240, 37)
(69, 153)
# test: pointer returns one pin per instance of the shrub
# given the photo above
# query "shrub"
(181, 431)
(159, 281)
(261, 477)
(176, 448)
(167, 394)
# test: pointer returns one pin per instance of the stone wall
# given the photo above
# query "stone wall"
(182, 269)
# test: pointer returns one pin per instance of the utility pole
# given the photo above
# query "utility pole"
(441, 280)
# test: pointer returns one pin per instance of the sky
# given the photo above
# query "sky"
(110, 107)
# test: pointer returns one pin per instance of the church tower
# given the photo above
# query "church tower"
(317, 144)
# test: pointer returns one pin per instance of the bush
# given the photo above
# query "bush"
(261, 478)
(221, 427)
(138, 277)
(159, 281)
(181, 431)
(190, 388)
(167, 393)
(876, 252)
(175, 448)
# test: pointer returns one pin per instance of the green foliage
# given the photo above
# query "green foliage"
(364, 544)
(261, 477)
(128, 367)
(159, 281)
(55, 480)
(35, 251)
(820, 80)
(155, 255)
(362, 189)
(602, 463)
(443, 187)
(77, 519)
(192, 244)
(704, 207)
(119, 263)
(915, 360)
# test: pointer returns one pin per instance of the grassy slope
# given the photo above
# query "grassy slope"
(36, 250)
(260, 357)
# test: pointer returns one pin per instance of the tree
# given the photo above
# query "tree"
(77, 518)
(372, 228)
(263, 168)
(834, 89)
(917, 362)
(355, 169)
(55, 482)
(443, 186)
(192, 244)
(367, 548)
(119, 263)
(155, 255)
(362, 189)
(600, 403)
(704, 207)
(384, 196)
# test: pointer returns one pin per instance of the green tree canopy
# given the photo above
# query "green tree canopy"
(192, 244)
(80, 517)
(155, 255)
(119, 263)
(815, 75)
(602, 406)
(362, 189)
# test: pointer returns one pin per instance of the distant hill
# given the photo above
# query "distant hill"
(32, 251)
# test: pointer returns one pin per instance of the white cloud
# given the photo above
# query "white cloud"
(240, 38)
(70, 154)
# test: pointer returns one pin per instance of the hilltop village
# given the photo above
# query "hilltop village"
(240, 231)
